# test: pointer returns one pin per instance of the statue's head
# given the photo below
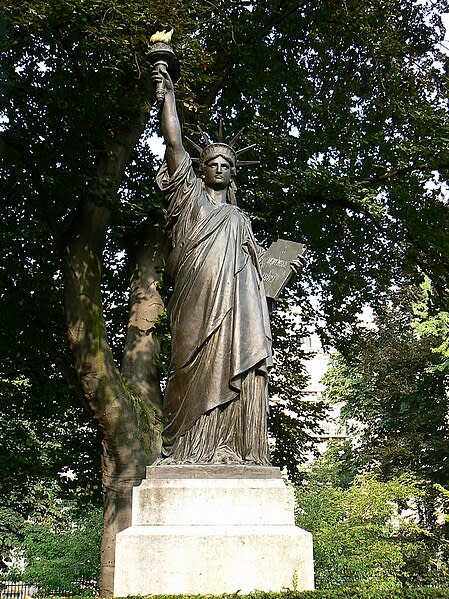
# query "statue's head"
(217, 173)
(213, 150)
(217, 165)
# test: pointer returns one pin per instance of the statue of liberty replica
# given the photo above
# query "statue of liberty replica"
(216, 400)
(212, 514)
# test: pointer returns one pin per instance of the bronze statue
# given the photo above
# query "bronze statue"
(216, 400)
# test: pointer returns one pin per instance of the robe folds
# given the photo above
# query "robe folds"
(219, 322)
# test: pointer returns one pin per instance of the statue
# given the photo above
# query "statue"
(216, 400)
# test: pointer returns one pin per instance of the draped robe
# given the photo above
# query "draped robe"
(216, 395)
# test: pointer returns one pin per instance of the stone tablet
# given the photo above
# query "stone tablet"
(275, 265)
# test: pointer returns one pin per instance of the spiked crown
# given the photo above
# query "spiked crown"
(211, 149)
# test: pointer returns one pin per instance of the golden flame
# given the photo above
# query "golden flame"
(161, 36)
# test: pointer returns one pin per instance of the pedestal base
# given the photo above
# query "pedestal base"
(212, 530)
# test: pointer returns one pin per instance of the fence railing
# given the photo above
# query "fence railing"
(17, 590)
(21, 590)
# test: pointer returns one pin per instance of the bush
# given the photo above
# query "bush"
(361, 537)
(340, 593)
(356, 593)
(64, 554)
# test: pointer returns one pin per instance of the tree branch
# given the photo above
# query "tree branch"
(94, 361)
(400, 172)
(139, 364)
(425, 255)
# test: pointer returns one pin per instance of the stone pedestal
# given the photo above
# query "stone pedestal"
(212, 530)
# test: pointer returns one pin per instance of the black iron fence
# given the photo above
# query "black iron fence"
(21, 590)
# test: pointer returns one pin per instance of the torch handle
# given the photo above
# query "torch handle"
(160, 85)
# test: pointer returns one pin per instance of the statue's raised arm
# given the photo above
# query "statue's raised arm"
(170, 125)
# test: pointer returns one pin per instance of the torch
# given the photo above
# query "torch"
(161, 53)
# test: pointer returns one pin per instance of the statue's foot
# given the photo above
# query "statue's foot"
(225, 455)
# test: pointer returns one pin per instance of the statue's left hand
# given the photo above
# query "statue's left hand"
(298, 264)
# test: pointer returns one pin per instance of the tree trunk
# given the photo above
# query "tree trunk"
(139, 365)
(123, 466)
(129, 422)
(139, 443)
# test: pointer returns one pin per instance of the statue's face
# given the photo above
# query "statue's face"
(217, 173)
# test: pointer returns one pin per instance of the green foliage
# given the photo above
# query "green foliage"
(43, 435)
(393, 390)
(11, 528)
(393, 399)
(63, 550)
(337, 593)
(355, 593)
(292, 422)
(336, 467)
(58, 541)
(431, 323)
(367, 535)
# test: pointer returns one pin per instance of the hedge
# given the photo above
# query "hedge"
(339, 593)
